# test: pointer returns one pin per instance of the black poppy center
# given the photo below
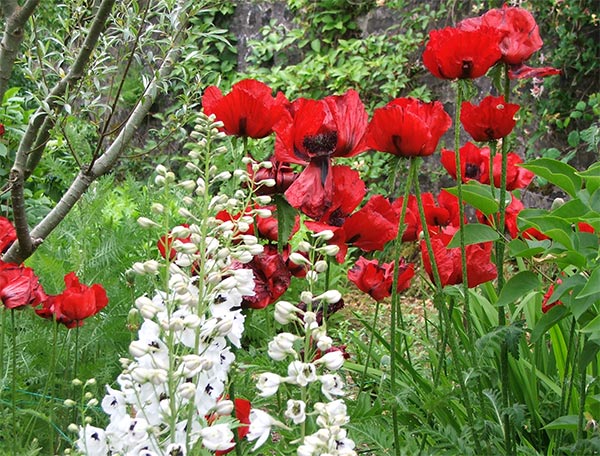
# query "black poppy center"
(467, 68)
(321, 143)
(472, 171)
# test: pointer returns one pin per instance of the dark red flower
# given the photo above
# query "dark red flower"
(377, 279)
(472, 162)
(455, 53)
(281, 173)
(444, 213)
(271, 279)
(2, 129)
(19, 286)
(493, 118)
(8, 235)
(297, 270)
(319, 131)
(248, 110)
(407, 127)
(241, 408)
(372, 226)
(480, 269)
(545, 306)
(75, 304)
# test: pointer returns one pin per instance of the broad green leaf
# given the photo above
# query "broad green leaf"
(477, 195)
(568, 422)
(556, 172)
(591, 177)
(554, 227)
(548, 320)
(474, 234)
(518, 286)
(593, 326)
(527, 249)
(571, 209)
(593, 285)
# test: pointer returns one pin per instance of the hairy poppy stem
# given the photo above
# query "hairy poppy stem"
(463, 254)
(396, 311)
(13, 386)
(504, 380)
(369, 350)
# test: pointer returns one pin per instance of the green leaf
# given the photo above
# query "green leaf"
(556, 228)
(568, 422)
(517, 287)
(591, 177)
(548, 320)
(527, 249)
(286, 218)
(593, 326)
(477, 195)
(474, 234)
(593, 285)
(315, 45)
(573, 138)
(589, 352)
(556, 172)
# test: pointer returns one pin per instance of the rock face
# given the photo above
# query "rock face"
(250, 17)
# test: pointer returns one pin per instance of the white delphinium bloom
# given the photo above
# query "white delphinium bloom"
(331, 385)
(282, 346)
(268, 384)
(92, 441)
(260, 427)
(217, 437)
(302, 374)
(296, 411)
(331, 413)
(332, 360)
(285, 312)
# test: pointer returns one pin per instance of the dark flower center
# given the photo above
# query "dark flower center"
(472, 171)
(467, 68)
(321, 143)
(489, 132)
(243, 123)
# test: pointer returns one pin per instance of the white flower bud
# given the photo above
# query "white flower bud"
(145, 222)
(304, 246)
(326, 235)
(170, 177)
(186, 390)
(161, 170)
(159, 180)
(331, 250)
(69, 403)
(268, 182)
(255, 249)
(263, 213)
(267, 164)
(321, 266)
(306, 297)
(263, 200)
(157, 208)
(299, 259)
(187, 200)
(151, 267)
(330, 296)
(224, 407)
(223, 176)
(188, 185)
(312, 276)
(137, 348)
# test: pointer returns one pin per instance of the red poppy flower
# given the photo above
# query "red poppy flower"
(19, 286)
(534, 233)
(271, 279)
(319, 131)
(585, 227)
(268, 227)
(248, 110)
(76, 303)
(226, 217)
(492, 119)
(444, 213)
(8, 235)
(241, 408)
(377, 279)
(372, 226)
(165, 242)
(526, 72)
(407, 127)
(455, 53)
(516, 177)
(412, 220)
(545, 306)
(281, 173)
(348, 192)
(480, 269)
(472, 162)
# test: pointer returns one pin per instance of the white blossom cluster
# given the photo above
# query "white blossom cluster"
(170, 398)
(312, 366)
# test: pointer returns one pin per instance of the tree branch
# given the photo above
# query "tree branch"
(106, 161)
(40, 125)
(15, 18)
